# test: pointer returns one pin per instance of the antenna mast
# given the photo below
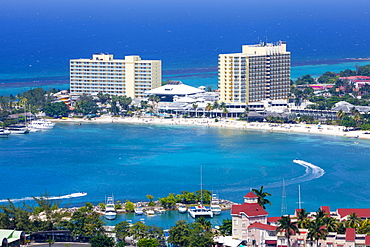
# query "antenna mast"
(283, 200)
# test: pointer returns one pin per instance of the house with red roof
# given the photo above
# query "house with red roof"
(249, 223)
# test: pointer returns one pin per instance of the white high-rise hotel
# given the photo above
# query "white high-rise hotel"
(131, 76)
(260, 72)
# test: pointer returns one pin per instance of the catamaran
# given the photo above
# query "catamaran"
(200, 210)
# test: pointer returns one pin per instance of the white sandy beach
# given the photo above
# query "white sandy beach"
(229, 123)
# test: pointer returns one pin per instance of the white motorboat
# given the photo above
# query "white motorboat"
(41, 124)
(4, 133)
(199, 211)
(215, 205)
(182, 209)
(139, 211)
(150, 212)
(18, 129)
(110, 211)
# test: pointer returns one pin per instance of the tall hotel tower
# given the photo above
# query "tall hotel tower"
(131, 76)
(260, 72)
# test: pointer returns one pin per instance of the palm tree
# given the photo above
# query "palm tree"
(340, 114)
(209, 107)
(316, 230)
(364, 227)
(225, 111)
(262, 201)
(331, 224)
(288, 227)
(302, 220)
(195, 106)
(353, 221)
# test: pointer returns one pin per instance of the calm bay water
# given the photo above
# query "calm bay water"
(133, 161)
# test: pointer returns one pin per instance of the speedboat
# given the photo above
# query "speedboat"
(215, 205)
(4, 133)
(199, 211)
(41, 124)
(18, 129)
(182, 209)
(110, 211)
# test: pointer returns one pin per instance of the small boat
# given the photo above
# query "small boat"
(182, 209)
(110, 211)
(4, 133)
(139, 211)
(149, 212)
(41, 124)
(160, 211)
(215, 205)
(18, 129)
(199, 211)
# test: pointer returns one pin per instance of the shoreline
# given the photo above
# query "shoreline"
(230, 123)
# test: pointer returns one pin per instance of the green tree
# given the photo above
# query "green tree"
(122, 230)
(101, 240)
(326, 77)
(288, 227)
(56, 109)
(178, 234)
(262, 201)
(85, 223)
(347, 73)
(226, 227)
(306, 79)
(302, 221)
(316, 231)
(86, 105)
(147, 242)
(195, 106)
(353, 221)
(50, 241)
(150, 198)
(129, 206)
(364, 70)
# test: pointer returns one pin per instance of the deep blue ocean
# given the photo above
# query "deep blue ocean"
(132, 161)
(39, 37)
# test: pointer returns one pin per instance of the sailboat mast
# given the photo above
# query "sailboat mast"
(201, 186)
(299, 197)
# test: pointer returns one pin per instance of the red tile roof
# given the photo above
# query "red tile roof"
(360, 212)
(350, 234)
(325, 209)
(273, 219)
(250, 195)
(367, 240)
(263, 226)
(250, 209)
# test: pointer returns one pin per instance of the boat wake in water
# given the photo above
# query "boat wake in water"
(73, 195)
(312, 172)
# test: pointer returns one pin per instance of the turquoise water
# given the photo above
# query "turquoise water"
(165, 220)
(132, 161)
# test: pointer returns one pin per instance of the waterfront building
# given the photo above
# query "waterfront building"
(259, 72)
(102, 73)
(172, 89)
(250, 223)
